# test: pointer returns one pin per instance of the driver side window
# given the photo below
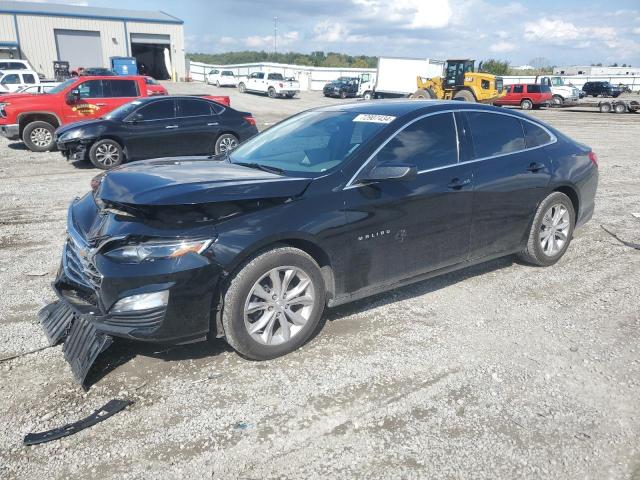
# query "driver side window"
(427, 143)
(91, 89)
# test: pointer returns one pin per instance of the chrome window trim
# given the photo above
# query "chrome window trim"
(350, 184)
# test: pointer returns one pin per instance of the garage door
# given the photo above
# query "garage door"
(80, 48)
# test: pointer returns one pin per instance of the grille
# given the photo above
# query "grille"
(78, 266)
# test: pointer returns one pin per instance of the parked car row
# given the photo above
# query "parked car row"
(272, 84)
(112, 119)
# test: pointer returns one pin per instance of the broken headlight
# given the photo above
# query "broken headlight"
(150, 251)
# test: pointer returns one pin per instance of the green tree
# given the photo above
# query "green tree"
(497, 67)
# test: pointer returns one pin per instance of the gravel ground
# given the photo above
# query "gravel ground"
(497, 371)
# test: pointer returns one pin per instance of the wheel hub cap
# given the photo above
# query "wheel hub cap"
(279, 305)
(554, 229)
(41, 137)
(107, 155)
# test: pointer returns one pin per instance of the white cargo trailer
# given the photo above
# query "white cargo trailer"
(397, 77)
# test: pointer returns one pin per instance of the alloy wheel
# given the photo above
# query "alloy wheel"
(227, 143)
(279, 305)
(554, 229)
(41, 137)
(107, 155)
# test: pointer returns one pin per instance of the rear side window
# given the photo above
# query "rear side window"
(534, 136)
(121, 88)
(517, 89)
(533, 88)
(159, 110)
(495, 134)
(11, 79)
(275, 76)
(191, 107)
(545, 89)
(227, 73)
(28, 78)
(427, 143)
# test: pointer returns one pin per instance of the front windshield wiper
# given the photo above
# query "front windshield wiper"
(259, 166)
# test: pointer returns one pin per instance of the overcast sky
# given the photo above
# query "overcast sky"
(563, 31)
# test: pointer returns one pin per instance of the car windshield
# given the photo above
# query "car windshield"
(310, 143)
(62, 86)
(557, 82)
(123, 111)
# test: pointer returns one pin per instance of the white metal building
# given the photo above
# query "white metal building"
(589, 70)
(89, 37)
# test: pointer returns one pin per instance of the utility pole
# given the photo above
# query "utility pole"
(275, 35)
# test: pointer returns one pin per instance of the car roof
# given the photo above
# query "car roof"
(401, 107)
(17, 70)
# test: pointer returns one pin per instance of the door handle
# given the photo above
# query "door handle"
(171, 126)
(212, 124)
(535, 167)
(456, 183)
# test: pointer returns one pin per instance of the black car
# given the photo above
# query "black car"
(601, 88)
(156, 127)
(343, 87)
(326, 207)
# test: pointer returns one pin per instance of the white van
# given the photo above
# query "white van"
(13, 80)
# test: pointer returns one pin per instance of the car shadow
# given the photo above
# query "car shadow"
(17, 146)
(84, 165)
(122, 351)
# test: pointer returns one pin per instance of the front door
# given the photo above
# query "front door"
(93, 102)
(407, 227)
(511, 176)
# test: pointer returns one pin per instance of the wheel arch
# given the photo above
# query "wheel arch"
(572, 193)
(26, 118)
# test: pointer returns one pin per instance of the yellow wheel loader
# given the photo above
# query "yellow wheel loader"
(461, 83)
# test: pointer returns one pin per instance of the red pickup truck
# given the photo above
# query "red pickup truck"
(528, 96)
(34, 118)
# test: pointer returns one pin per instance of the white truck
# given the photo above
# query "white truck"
(397, 77)
(273, 84)
(562, 93)
(13, 80)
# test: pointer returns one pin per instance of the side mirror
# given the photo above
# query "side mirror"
(390, 171)
(73, 96)
(136, 117)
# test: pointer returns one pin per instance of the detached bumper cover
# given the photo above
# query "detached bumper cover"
(11, 131)
(83, 343)
(73, 150)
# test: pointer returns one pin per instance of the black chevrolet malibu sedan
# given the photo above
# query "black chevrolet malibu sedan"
(328, 206)
(156, 126)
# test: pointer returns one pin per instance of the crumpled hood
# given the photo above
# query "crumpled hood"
(193, 180)
(81, 124)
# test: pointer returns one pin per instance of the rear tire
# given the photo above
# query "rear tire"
(551, 231)
(526, 104)
(38, 136)
(218, 83)
(242, 88)
(259, 322)
(272, 92)
(620, 108)
(226, 143)
(106, 154)
(343, 95)
(465, 96)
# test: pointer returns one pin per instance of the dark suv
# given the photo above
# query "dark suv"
(343, 87)
(601, 88)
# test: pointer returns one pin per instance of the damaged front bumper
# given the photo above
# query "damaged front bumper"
(73, 150)
(91, 287)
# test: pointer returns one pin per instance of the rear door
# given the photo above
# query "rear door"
(198, 126)
(510, 176)
(156, 133)
(403, 228)
(120, 91)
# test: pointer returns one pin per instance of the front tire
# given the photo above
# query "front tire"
(368, 95)
(605, 107)
(106, 154)
(465, 96)
(38, 136)
(557, 101)
(551, 231)
(217, 83)
(226, 143)
(274, 304)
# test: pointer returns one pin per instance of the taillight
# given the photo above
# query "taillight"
(250, 120)
(593, 157)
